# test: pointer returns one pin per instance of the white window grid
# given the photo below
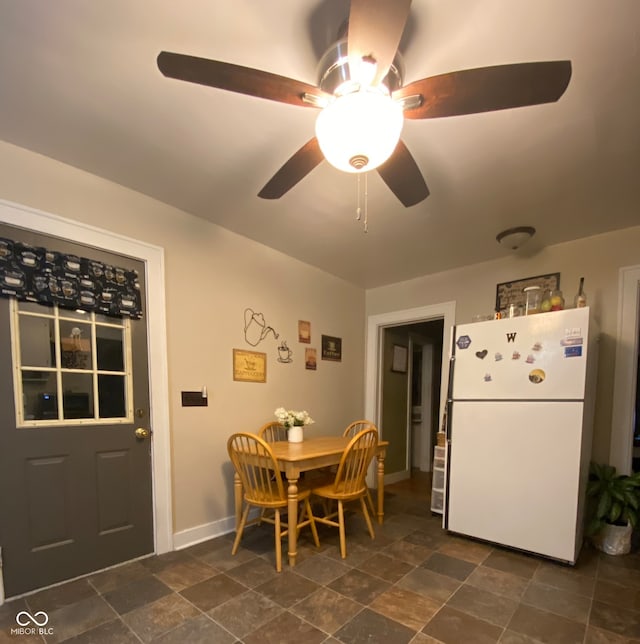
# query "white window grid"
(58, 315)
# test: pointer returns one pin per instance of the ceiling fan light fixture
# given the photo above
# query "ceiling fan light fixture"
(359, 131)
(336, 70)
(515, 238)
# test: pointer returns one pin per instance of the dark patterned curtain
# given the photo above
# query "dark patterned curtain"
(35, 274)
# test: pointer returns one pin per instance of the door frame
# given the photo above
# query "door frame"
(624, 387)
(374, 351)
(155, 317)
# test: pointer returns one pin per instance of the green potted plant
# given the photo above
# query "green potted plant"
(613, 508)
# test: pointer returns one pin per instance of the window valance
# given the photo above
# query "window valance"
(36, 274)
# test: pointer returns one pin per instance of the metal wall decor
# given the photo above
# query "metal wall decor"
(256, 329)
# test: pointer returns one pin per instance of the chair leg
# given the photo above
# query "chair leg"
(278, 542)
(312, 522)
(240, 530)
(343, 540)
(366, 516)
(370, 500)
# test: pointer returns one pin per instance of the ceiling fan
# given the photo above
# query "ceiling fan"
(363, 102)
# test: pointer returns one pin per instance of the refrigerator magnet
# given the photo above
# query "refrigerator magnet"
(537, 376)
(498, 356)
(571, 341)
(515, 355)
(537, 346)
(482, 354)
(573, 352)
(530, 359)
(487, 377)
(463, 342)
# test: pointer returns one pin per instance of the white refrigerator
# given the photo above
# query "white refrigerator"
(519, 428)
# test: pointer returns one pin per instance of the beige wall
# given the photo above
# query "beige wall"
(212, 275)
(473, 288)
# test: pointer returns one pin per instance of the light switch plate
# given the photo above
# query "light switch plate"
(194, 399)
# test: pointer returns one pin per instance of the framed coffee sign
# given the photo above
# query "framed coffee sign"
(249, 366)
(331, 348)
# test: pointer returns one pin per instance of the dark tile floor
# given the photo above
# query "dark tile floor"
(413, 583)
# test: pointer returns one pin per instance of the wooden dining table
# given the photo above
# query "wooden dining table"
(310, 454)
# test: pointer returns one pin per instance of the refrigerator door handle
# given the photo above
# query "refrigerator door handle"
(446, 421)
(448, 414)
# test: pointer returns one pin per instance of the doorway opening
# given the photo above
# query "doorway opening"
(625, 427)
(384, 331)
(410, 394)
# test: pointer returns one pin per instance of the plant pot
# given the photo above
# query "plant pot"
(295, 434)
(613, 539)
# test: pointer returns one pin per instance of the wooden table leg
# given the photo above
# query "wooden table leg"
(237, 493)
(292, 509)
(380, 488)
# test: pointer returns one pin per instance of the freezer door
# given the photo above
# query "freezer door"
(536, 357)
(514, 475)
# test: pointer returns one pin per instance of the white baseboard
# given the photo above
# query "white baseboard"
(403, 475)
(206, 531)
(192, 536)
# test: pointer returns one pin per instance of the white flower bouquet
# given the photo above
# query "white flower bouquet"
(291, 418)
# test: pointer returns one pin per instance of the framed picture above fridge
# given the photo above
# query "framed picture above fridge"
(512, 292)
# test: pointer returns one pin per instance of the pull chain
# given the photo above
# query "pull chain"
(366, 200)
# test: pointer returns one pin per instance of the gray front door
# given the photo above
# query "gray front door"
(75, 480)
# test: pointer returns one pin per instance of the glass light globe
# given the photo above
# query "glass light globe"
(359, 131)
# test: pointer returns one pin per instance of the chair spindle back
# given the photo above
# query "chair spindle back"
(350, 477)
(255, 463)
(273, 432)
(354, 428)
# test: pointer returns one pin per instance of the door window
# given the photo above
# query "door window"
(70, 365)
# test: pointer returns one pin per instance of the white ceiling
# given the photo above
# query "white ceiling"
(79, 83)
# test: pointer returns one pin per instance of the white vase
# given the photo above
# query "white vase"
(614, 539)
(295, 434)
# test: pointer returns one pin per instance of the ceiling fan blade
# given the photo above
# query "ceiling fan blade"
(487, 89)
(375, 29)
(236, 78)
(295, 169)
(401, 173)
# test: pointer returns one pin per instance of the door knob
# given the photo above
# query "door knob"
(142, 433)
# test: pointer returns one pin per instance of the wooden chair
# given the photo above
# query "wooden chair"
(255, 463)
(352, 430)
(357, 426)
(349, 483)
(273, 432)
